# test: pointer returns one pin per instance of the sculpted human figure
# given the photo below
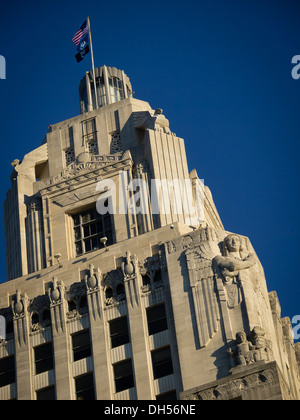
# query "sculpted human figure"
(262, 345)
(254, 348)
(230, 264)
(244, 350)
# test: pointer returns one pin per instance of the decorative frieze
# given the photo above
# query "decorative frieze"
(256, 380)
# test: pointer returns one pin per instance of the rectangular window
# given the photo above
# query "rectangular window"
(89, 135)
(119, 334)
(162, 362)
(101, 93)
(88, 127)
(43, 358)
(89, 228)
(123, 375)
(84, 387)
(116, 89)
(157, 320)
(81, 345)
(7, 371)
(46, 394)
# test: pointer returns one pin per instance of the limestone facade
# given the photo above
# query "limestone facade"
(130, 306)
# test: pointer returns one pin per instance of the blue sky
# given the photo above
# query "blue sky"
(221, 71)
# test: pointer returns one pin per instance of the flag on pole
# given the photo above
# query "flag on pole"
(81, 41)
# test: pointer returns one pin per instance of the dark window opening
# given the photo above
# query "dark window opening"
(81, 345)
(89, 228)
(123, 375)
(157, 278)
(7, 371)
(46, 394)
(170, 395)
(109, 293)
(35, 319)
(84, 387)
(43, 357)
(46, 316)
(120, 290)
(146, 280)
(162, 362)
(157, 320)
(71, 305)
(119, 334)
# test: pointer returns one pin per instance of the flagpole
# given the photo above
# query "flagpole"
(93, 67)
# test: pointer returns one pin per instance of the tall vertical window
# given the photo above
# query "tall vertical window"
(123, 375)
(89, 134)
(162, 362)
(116, 89)
(156, 317)
(89, 228)
(7, 371)
(43, 358)
(81, 345)
(101, 94)
(84, 387)
(119, 331)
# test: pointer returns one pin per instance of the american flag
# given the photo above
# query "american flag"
(80, 33)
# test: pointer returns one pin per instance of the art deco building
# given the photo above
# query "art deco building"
(130, 304)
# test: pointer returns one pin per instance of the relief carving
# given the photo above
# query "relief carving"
(229, 266)
(93, 279)
(113, 287)
(249, 350)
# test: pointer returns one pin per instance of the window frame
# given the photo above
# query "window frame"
(162, 365)
(50, 389)
(87, 234)
(116, 89)
(161, 321)
(7, 376)
(121, 337)
(80, 352)
(43, 363)
(79, 392)
(123, 380)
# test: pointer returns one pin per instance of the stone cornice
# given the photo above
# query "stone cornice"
(80, 172)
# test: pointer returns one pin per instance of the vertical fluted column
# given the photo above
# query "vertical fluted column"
(35, 236)
(137, 328)
(60, 341)
(97, 331)
(22, 347)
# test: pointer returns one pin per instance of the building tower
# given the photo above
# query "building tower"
(122, 282)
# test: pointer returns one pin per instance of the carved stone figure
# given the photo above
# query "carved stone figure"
(249, 350)
(127, 267)
(243, 355)
(262, 345)
(93, 279)
(230, 264)
(18, 306)
(54, 294)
